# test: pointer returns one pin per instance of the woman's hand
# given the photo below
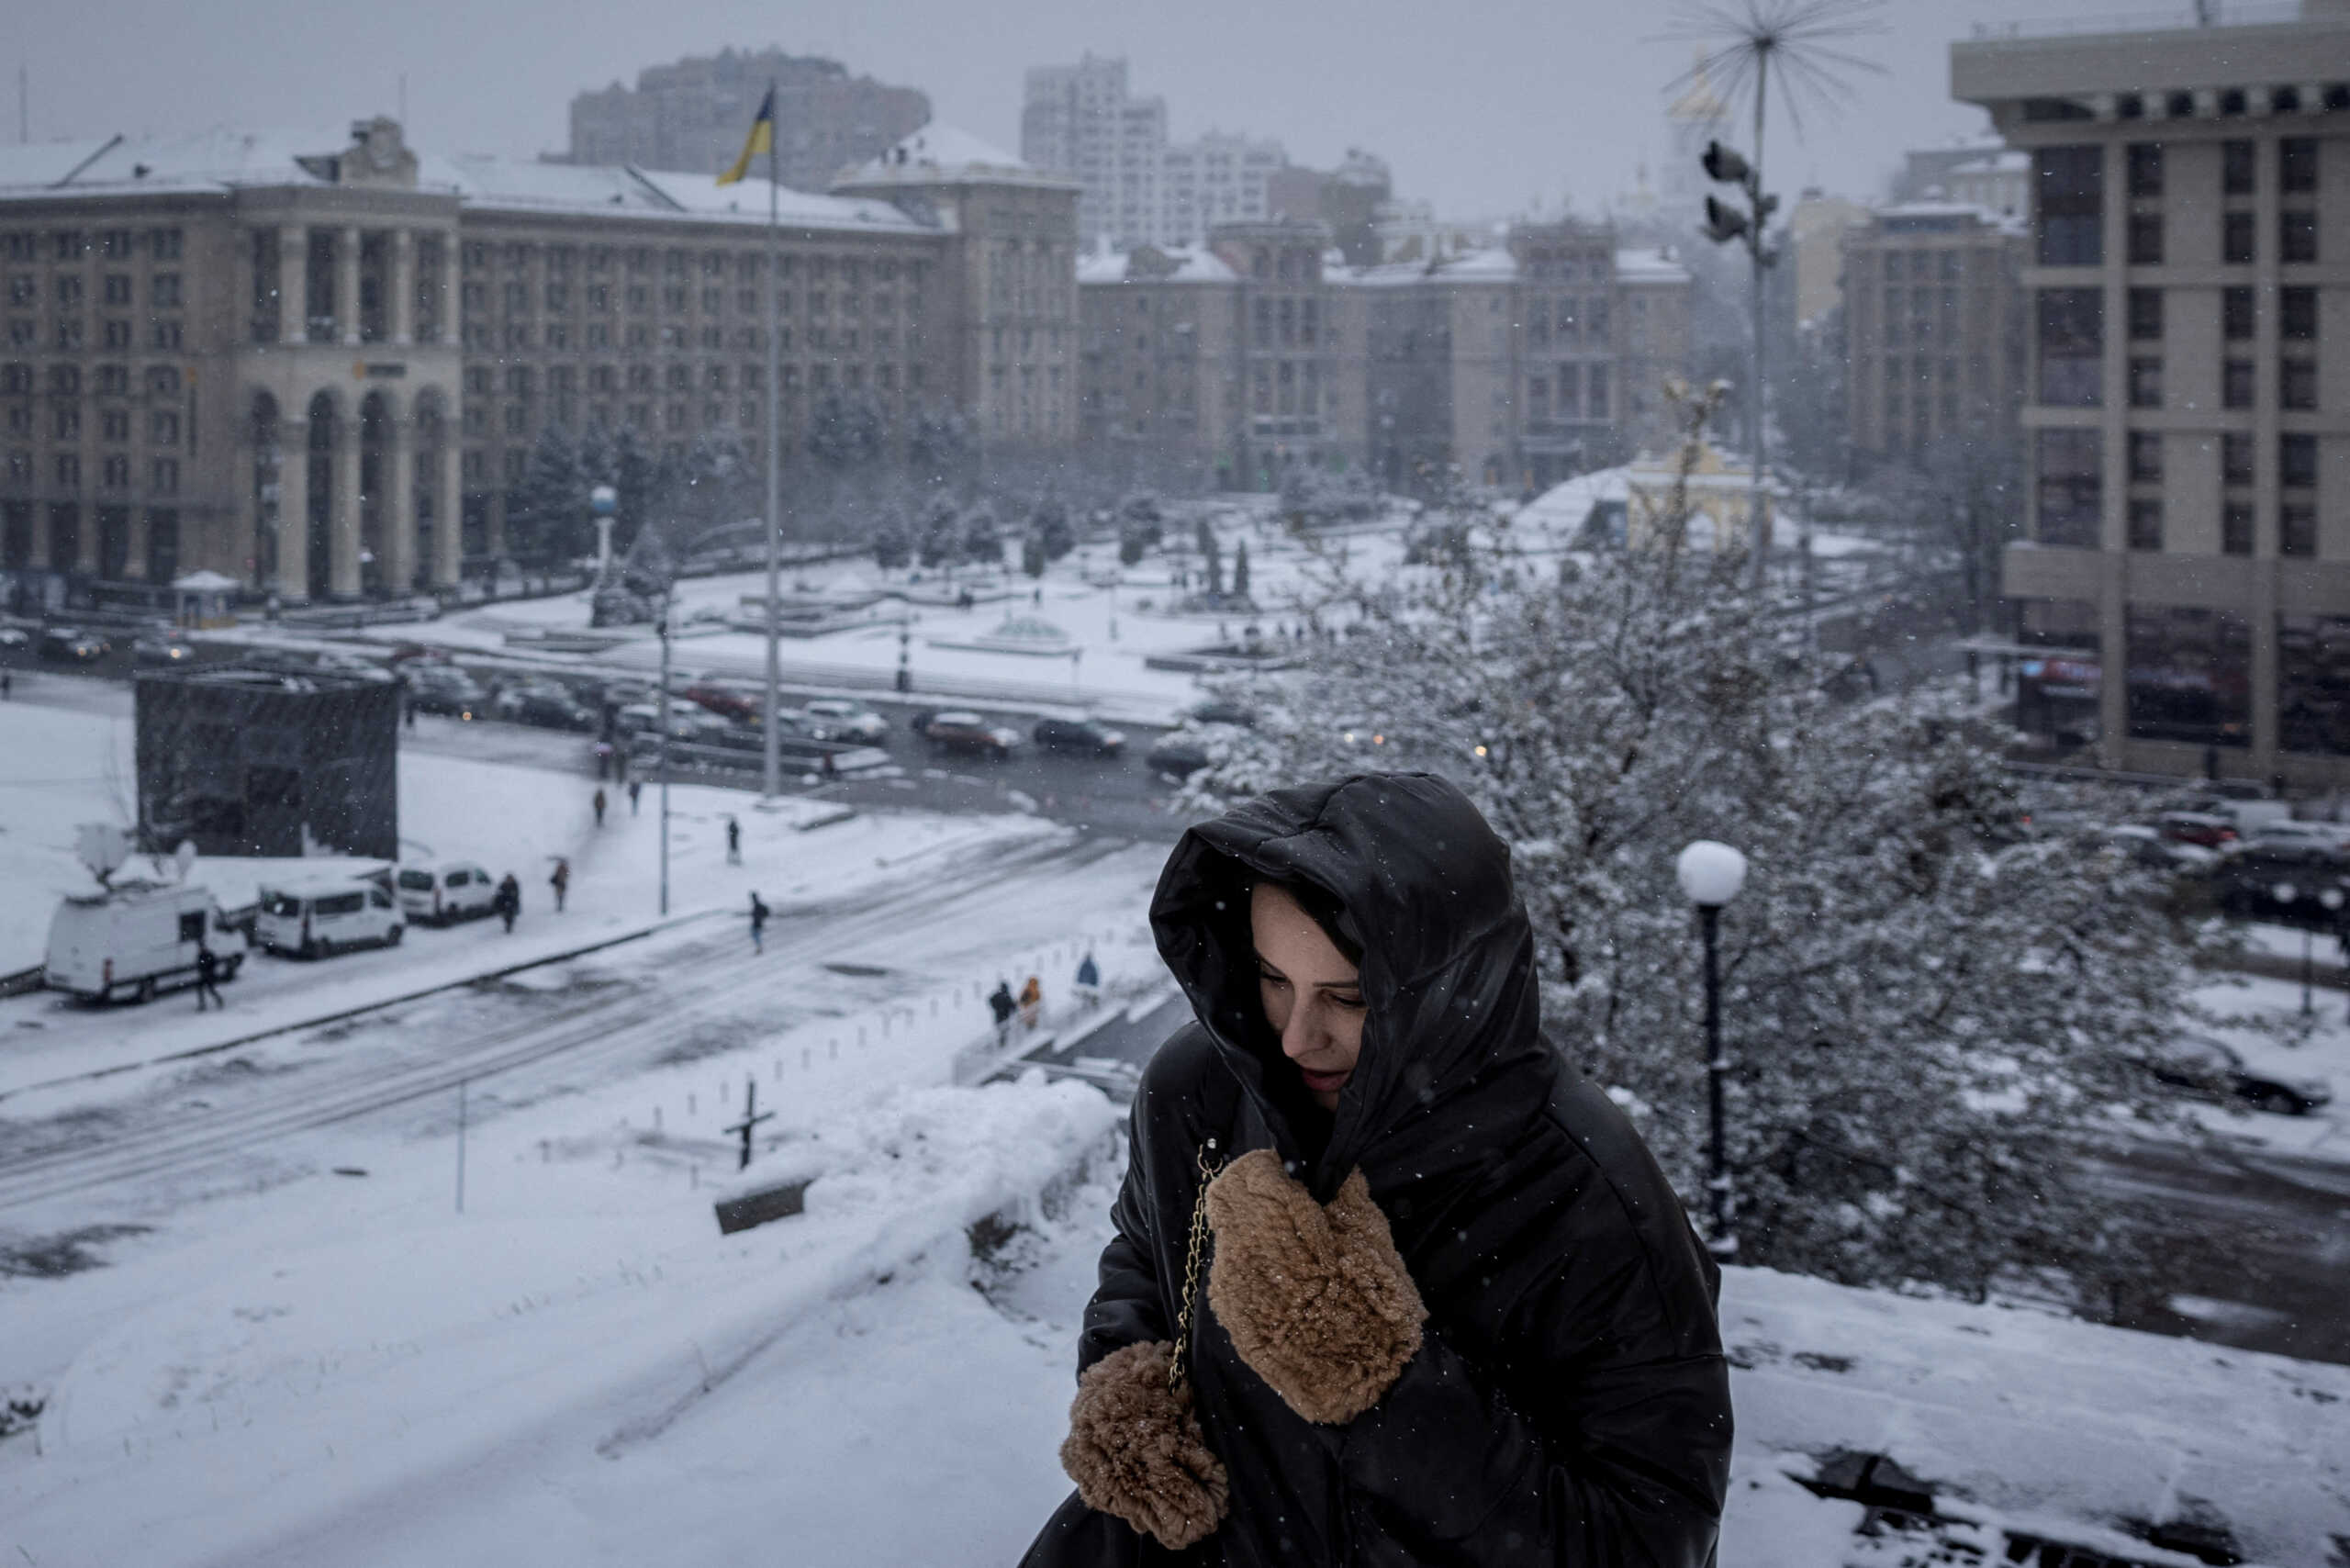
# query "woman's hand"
(1317, 1299)
(1135, 1448)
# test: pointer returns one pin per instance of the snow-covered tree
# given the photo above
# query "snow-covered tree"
(1031, 553)
(890, 548)
(1240, 569)
(548, 513)
(983, 539)
(1934, 1007)
(1210, 556)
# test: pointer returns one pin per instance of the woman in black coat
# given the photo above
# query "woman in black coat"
(1390, 1284)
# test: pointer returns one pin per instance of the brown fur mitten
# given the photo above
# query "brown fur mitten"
(1135, 1450)
(1317, 1300)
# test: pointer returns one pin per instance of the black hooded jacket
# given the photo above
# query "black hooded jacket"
(1570, 1403)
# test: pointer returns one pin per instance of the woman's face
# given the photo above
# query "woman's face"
(1312, 994)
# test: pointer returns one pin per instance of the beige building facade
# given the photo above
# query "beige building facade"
(2188, 426)
(321, 373)
(1933, 327)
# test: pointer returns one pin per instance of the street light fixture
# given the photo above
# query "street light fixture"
(1711, 875)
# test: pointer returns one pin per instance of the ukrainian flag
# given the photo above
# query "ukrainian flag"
(761, 139)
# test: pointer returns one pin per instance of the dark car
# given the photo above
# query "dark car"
(1089, 735)
(2247, 883)
(443, 689)
(73, 644)
(724, 702)
(2197, 1061)
(549, 707)
(956, 730)
(162, 648)
(1216, 711)
(1177, 755)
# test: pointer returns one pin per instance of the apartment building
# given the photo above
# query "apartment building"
(319, 366)
(1520, 364)
(1933, 327)
(690, 115)
(2188, 424)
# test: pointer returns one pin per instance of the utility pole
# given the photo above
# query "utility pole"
(1725, 223)
(669, 603)
(772, 778)
(751, 1117)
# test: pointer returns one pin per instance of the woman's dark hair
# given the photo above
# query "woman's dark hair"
(1324, 911)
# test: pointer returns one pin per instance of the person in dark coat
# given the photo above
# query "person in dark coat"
(560, 881)
(734, 842)
(635, 788)
(207, 975)
(1000, 1002)
(507, 901)
(758, 923)
(1453, 1311)
(599, 806)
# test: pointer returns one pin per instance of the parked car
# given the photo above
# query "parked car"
(333, 661)
(724, 702)
(843, 719)
(2149, 847)
(134, 940)
(644, 718)
(445, 688)
(2198, 1061)
(546, 705)
(1090, 736)
(2196, 827)
(419, 653)
(74, 645)
(313, 919)
(2247, 884)
(957, 731)
(452, 890)
(918, 722)
(162, 648)
(1178, 755)
(1216, 711)
(2334, 836)
(15, 637)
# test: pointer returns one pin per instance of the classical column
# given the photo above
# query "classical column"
(134, 545)
(346, 285)
(293, 281)
(449, 317)
(293, 509)
(448, 507)
(397, 508)
(400, 266)
(39, 560)
(342, 511)
(86, 529)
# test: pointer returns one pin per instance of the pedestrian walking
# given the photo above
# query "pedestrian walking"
(603, 760)
(208, 974)
(1458, 1313)
(758, 923)
(635, 788)
(1089, 980)
(507, 901)
(734, 842)
(1000, 1002)
(7, 684)
(1032, 1002)
(410, 707)
(560, 881)
(599, 805)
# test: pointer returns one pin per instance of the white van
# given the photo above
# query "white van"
(313, 919)
(450, 891)
(135, 939)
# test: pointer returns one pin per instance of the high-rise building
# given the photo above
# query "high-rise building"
(319, 366)
(2188, 417)
(1933, 327)
(692, 116)
(1138, 188)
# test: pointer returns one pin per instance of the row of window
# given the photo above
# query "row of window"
(2069, 327)
(2239, 238)
(747, 266)
(70, 291)
(2239, 167)
(2296, 527)
(2070, 478)
(560, 299)
(71, 335)
(113, 424)
(69, 245)
(2297, 382)
(113, 471)
(556, 336)
(2069, 201)
(107, 380)
(61, 538)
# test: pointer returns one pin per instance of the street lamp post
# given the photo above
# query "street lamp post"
(2285, 893)
(2331, 900)
(1711, 875)
(668, 600)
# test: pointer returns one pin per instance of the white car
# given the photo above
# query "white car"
(450, 891)
(332, 662)
(314, 919)
(15, 637)
(842, 718)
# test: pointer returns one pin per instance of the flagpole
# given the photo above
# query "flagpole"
(775, 457)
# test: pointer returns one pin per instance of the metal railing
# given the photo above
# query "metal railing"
(2264, 13)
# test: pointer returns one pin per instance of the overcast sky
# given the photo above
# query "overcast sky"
(1482, 106)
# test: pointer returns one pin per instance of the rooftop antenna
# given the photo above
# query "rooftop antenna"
(403, 100)
(24, 111)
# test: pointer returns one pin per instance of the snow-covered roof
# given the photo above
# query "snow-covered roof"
(1175, 263)
(944, 152)
(1494, 264)
(1649, 267)
(223, 160)
(2008, 162)
(1564, 510)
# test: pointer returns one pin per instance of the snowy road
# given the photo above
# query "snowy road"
(689, 994)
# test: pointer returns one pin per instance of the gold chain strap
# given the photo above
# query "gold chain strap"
(1192, 1270)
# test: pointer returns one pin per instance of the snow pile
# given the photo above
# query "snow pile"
(422, 1377)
